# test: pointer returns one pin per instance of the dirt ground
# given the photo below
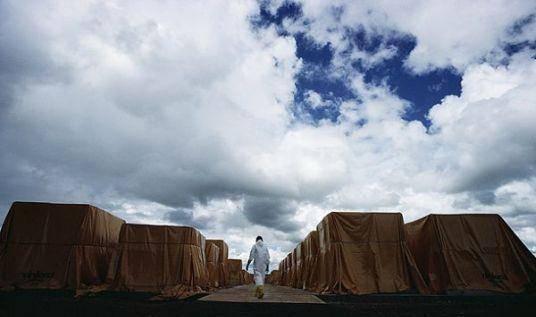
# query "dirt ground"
(63, 303)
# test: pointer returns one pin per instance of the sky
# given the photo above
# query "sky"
(245, 118)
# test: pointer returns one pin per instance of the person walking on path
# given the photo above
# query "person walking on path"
(261, 260)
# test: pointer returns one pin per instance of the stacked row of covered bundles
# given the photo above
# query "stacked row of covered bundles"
(364, 253)
(82, 247)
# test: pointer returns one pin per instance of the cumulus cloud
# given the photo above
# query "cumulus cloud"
(447, 33)
(314, 99)
(489, 126)
(180, 113)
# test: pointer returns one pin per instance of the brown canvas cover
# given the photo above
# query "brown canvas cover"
(279, 276)
(364, 253)
(234, 267)
(268, 279)
(212, 253)
(297, 262)
(162, 259)
(274, 277)
(310, 250)
(291, 268)
(246, 278)
(53, 246)
(223, 248)
(282, 272)
(288, 269)
(223, 274)
(470, 252)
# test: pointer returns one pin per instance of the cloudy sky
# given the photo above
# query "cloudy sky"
(253, 117)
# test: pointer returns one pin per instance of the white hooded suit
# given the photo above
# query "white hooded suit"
(261, 258)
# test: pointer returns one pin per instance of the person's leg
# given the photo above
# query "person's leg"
(261, 285)
(257, 276)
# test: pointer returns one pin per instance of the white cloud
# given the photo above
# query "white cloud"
(315, 100)
(447, 33)
(489, 127)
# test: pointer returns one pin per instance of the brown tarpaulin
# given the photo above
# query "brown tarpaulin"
(297, 263)
(165, 259)
(274, 277)
(246, 278)
(223, 274)
(470, 252)
(284, 271)
(281, 269)
(287, 265)
(311, 250)
(44, 245)
(212, 253)
(363, 253)
(234, 267)
(292, 270)
(223, 248)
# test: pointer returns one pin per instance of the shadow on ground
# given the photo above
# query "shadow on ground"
(63, 303)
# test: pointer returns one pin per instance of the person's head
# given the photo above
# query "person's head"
(258, 238)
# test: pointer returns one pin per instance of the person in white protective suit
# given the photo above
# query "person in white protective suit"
(261, 260)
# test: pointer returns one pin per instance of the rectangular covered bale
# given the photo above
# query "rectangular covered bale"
(365, 253)
(298, 260)
(470, 252)
(161, 259)
(309, 267)
(286, 276)
(246, 277)
(53, 246)
(223, 274)
(212, 253)
(234, 268)
(273, 278)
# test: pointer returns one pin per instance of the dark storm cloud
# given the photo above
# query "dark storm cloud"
(23, 59)
(271, 212)
(185, 217)
(499, 164)
(484, 197)
(480, 182)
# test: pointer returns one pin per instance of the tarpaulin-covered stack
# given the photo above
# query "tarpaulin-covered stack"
(223, 274)
(212, 253)
(285, 278)
(298, 259)
(52, 246)
(274, 277)
(470, 252)
(363, 253)
(292, 269)
(281, 269)
(165, 259)
(268, 279)
(309, 267)
(246, 278)
(234, 267)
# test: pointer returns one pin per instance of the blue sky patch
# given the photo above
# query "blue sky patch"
(422, 91)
